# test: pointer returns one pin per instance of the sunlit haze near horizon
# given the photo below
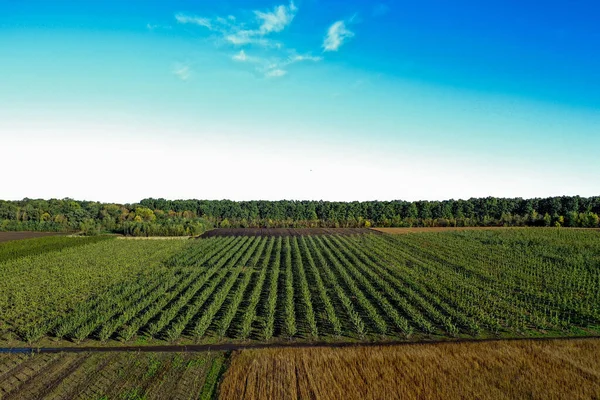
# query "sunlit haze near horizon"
(308, 100)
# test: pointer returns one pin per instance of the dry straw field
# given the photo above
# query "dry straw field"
(563, 369)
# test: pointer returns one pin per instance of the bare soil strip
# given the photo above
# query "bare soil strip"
(8, 236)
(240, 346)
(277, 232)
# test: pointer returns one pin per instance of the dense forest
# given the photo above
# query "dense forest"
(152, 217)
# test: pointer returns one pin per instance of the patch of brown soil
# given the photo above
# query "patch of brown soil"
(284, 231)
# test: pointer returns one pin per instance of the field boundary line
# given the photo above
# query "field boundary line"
(257, 346)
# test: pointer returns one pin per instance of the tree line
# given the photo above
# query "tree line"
(91, 218)
(152, 217)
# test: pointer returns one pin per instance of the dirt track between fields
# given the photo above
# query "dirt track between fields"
(249, 346)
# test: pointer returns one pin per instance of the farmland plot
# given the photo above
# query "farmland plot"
(37, 289)
(490, 370)
(110, 376)
(28, 247)
(11, 236)
(522, 282)
(285, 231)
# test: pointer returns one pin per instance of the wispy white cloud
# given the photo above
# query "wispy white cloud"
(182, 71)
(237, 33)
(192, 19)
(275, 73)
(276, 20)
(153, 27)
(274, 67)
(272, 21)
(337, 34)
(241, 56)
(244, 37)
(273, 58)
(303, 57)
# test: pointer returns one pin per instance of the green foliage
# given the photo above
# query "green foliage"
(30, 247)
(159, 217)
(324, 297)
(210, 384)
(38, 291)
(250, 313)
(238, 296)
(290, 315)
(220, 296)
(344, 270)
(355, 318)
(269, 321)
(92, 218)
(307, 308)
(480, 283)
(126, 376)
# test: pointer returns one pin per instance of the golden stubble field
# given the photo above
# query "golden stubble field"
(561, 369)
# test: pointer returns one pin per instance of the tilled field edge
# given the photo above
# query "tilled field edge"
(237, 346)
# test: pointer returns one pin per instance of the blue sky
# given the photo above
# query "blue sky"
(312, 99)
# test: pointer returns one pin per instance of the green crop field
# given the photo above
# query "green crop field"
(107, 376)
(47, 286)
(513, 282)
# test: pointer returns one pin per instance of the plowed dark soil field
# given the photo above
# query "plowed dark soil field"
(277, 232)
(7, 236)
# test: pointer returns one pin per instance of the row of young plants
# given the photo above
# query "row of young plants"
(248, 265)
(271, 304)
(357, 323)
(185, 306)
(332, 320)
(38, 293)
(30, 247)
(254, 299)
(315, 286)
(408, 299)
(368, 307)
(486, 308)
(197, 252)
(306, 302)
(128, 307)
(540, 268)
(289, 303)
(381, 282)
(220, 296)
(495, 302)
(407, 280)
(505, 299)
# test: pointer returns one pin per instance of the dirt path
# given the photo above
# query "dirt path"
(238, 346)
